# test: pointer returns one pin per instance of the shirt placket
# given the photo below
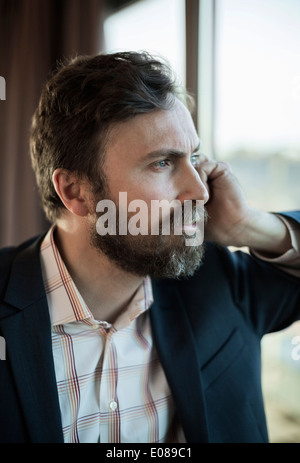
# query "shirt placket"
(109, 406)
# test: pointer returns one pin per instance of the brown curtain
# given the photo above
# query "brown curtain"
(34, 35)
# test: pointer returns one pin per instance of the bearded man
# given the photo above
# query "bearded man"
(138, 336)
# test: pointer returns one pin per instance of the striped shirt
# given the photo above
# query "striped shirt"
(111, 385)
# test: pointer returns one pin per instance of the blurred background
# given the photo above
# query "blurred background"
(241, 61)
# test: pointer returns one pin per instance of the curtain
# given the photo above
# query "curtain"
(34, 36)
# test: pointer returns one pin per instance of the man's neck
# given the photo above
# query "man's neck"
(105, 288)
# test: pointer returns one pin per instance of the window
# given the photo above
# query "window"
(157, 26)
(257, 97)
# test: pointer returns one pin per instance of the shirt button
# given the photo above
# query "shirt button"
(113, 405)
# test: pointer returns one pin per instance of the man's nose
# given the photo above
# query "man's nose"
(192, 186)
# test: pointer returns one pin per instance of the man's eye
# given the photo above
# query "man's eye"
(195, 159)
(162, 164)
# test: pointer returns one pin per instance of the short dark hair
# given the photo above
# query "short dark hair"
(79, 104)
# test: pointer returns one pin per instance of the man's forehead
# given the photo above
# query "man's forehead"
(156, 130)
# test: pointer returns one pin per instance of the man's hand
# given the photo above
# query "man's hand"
(231, 220)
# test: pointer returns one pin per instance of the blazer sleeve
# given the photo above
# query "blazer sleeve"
(266, 291)
(232, 283)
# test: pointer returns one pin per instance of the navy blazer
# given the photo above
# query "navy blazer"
(207, 330)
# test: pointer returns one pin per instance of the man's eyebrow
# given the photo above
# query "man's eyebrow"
(165, 153)
(169, 153)
(198, 148)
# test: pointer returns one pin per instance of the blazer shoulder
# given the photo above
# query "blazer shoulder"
(9, 254)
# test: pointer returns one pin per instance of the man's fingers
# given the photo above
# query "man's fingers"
(210, 170)
(205, 167)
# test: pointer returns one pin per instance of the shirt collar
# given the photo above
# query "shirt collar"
(66, 303)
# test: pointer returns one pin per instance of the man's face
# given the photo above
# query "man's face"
(152, 157)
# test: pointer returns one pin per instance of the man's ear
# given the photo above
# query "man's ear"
(72, 191)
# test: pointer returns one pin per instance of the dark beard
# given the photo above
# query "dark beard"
(159, 256)
(149, 255)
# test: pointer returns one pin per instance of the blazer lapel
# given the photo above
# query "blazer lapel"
(175, 343)
(27, 332)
